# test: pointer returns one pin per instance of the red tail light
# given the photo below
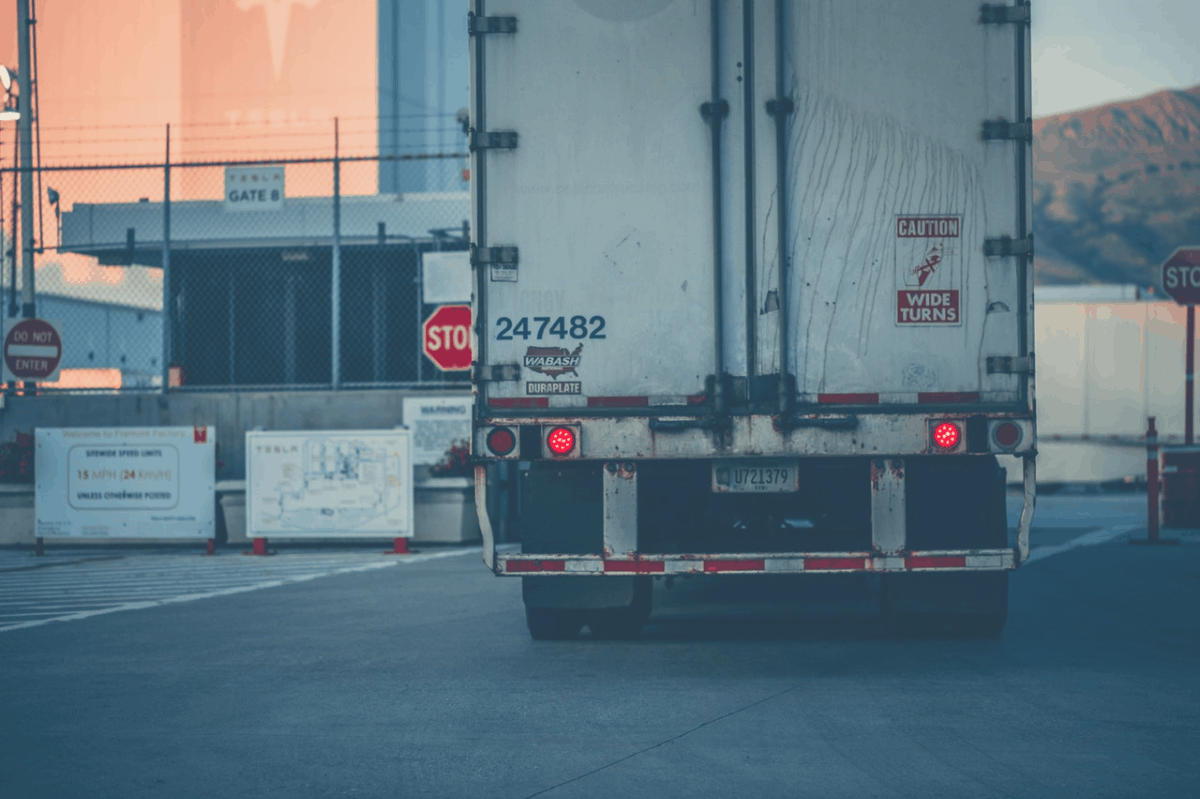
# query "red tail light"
(946, 435)
(1007, 435)
(501, 441)
(561, 440)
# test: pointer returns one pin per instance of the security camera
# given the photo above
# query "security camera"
(463, 118)
(52, 195)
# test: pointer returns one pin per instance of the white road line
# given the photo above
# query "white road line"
(88, 586)
(140, 606)
(93, 586)
(1087, 540)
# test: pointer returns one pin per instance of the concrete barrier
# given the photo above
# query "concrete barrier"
(16, 513)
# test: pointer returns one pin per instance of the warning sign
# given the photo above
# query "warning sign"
(928, 270)
(927, 307)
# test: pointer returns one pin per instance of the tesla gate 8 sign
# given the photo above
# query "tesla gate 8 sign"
(1181, 276)
(447, 339)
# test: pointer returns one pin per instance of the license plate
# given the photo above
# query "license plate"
(755, 477)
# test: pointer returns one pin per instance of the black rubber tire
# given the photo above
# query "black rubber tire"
(617, 624)
(553, 624)
(988, 623)
(958, 605)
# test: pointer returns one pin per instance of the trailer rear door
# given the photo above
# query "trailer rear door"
(893, 188)
(607, 198)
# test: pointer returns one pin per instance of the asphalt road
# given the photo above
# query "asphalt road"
(418, 679)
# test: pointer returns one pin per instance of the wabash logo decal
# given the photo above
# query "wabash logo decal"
(565, 387)
(553, 361)
(928, 270)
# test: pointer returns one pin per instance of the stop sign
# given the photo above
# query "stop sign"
(1181, 276)
(32, 351)
(447, 337)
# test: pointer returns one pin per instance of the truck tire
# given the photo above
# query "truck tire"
(961, 604)
(553, 624)
(613, 624)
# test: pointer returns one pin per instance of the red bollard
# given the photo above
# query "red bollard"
(211, 548)
(400, 546)
(1152, 490)
(260, 546)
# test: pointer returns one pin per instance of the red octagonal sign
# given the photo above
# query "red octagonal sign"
(447, 337)
(32, 350)
(1181, 276)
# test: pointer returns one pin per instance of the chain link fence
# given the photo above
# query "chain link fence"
(290, 274)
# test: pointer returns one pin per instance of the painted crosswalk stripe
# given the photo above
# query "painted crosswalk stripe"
(39, 594)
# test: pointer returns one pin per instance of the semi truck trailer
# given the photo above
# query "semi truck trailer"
(753, 295)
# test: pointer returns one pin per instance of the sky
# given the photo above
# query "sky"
(1085, 52)
(1093, 52)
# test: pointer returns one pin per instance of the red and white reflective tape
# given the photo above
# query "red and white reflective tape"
(852, 398)
(972, 560)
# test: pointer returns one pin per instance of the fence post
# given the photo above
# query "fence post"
(336, 276)
(1152, 480)
(167, 318)
(14, 310)
(419, 279)
(25, 126)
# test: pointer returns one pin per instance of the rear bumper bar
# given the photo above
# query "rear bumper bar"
(526, 565)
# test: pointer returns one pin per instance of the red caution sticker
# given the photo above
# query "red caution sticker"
(928, 270)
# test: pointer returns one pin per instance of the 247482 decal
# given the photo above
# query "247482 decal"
(542, 327)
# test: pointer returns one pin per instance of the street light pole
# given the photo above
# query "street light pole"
(25, 123)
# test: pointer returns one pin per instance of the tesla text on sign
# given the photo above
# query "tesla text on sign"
(447, 337)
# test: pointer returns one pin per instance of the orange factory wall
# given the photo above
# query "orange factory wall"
(236, 79)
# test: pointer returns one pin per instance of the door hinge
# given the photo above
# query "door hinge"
(784, 106)
(995, 14)
(994, 129)
(500, 256)
(1009, 364)
(495, 373)
(493, 140)
(479, 25)
(721, 108)
(1007, 245)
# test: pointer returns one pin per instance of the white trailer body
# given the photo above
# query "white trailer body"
(752, 256)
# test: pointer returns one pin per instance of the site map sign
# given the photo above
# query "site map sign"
(329, 484)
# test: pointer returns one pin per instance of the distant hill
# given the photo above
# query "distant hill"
(1116, 189)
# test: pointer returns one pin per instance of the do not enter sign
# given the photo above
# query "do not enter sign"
(1181, 276)
(447, 338)
(32, 351)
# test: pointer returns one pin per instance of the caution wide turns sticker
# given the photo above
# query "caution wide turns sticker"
(928, 270)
